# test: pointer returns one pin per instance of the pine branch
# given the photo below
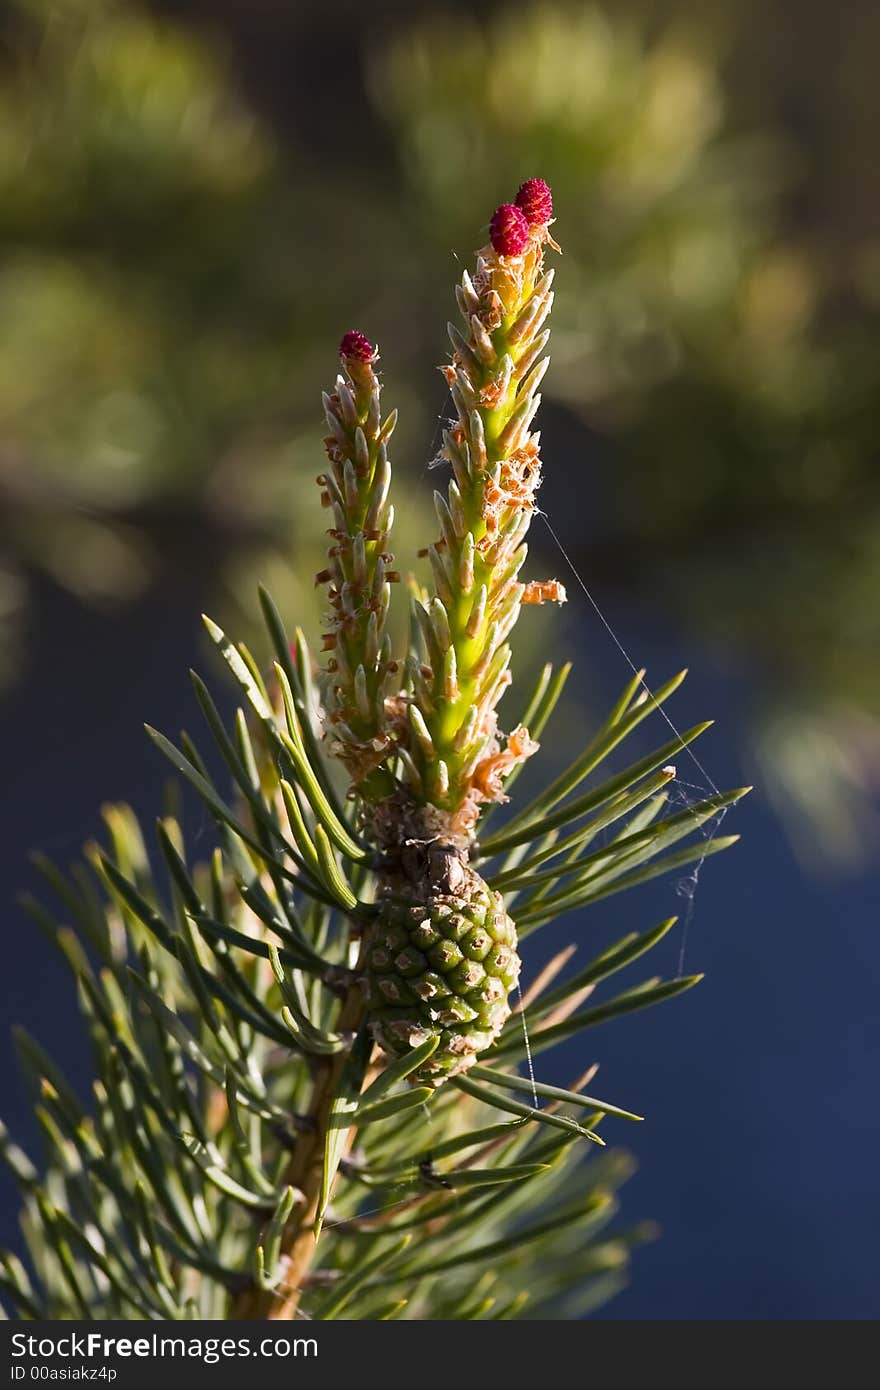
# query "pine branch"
(270, 1027)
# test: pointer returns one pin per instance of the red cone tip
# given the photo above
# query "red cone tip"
(356, 347)
(509, 230)
(536, 202)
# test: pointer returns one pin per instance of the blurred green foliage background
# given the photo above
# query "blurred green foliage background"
(197, 199)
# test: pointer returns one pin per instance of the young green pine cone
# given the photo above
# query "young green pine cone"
(441, 963)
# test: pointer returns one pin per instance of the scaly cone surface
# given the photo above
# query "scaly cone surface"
(442, 964)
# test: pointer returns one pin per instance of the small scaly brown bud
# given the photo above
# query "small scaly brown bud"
(544, 591)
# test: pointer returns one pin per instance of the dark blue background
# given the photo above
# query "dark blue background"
(759, 1154)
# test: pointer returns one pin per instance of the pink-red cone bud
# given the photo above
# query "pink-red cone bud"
(356, 347)
(509, 230)
(536, 202)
